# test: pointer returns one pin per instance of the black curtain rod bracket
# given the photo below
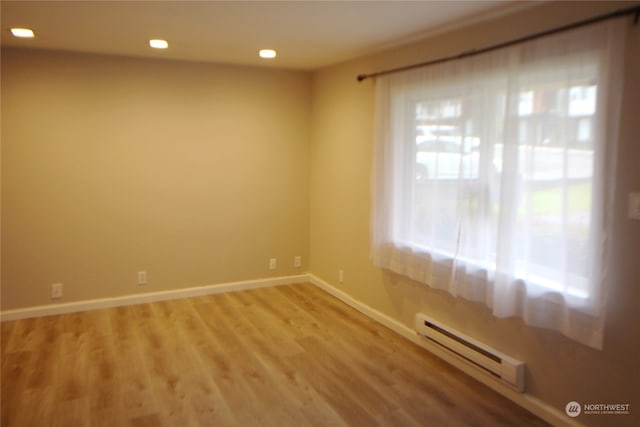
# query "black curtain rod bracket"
(635, 10)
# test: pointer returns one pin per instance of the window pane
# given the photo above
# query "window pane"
(476, 166)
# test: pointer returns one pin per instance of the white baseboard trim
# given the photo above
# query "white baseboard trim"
(531, 403)
(95, 304)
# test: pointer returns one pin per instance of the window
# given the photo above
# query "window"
(454, 203)
(492, 176)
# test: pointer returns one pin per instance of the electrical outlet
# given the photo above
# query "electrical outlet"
(56, 290)
(142, 277)
(341, 276)
(297, 262)
(273, 263)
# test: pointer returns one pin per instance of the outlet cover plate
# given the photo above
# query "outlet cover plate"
(56, 290)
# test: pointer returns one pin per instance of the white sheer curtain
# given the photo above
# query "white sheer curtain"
(493, 177)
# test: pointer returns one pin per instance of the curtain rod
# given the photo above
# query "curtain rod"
(621, 12)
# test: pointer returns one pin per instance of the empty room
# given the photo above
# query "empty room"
(323, 213)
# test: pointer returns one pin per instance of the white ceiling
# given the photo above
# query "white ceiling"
(307, 34)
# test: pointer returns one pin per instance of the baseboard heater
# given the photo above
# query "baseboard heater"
(504, 367)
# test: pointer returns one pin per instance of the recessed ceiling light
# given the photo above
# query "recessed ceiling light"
(24, 33)
(158, 44)
(267, 53)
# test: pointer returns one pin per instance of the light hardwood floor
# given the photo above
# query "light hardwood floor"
(283, 356)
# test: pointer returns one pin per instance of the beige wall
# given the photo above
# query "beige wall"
(196, 173)
(559, 370)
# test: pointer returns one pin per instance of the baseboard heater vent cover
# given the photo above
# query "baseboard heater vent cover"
(482, 356)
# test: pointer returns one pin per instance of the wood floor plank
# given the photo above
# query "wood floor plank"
(284, 356)
(273, 408)
(289, 386)
(15, 367)
(6, 330)
(231, 367)
(135, 386)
